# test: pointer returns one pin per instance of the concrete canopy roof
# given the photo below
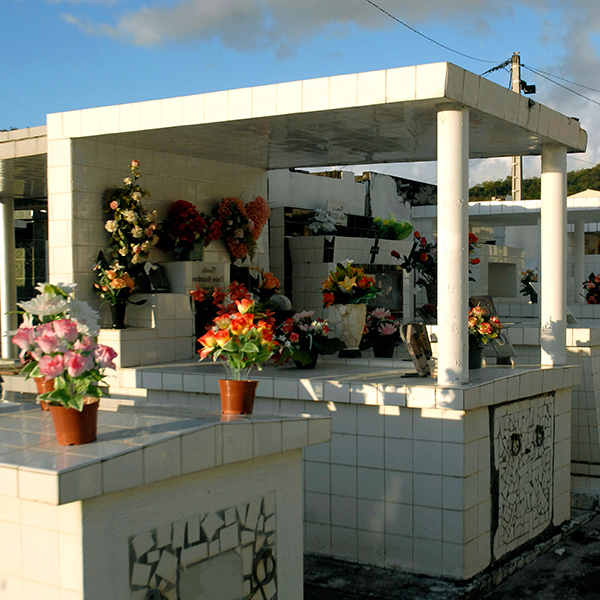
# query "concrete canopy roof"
(377, 117)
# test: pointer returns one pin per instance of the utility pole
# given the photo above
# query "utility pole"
(517, 167)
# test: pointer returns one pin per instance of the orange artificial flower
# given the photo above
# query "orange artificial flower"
(328, 299)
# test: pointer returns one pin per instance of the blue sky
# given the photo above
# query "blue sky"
(61, 55)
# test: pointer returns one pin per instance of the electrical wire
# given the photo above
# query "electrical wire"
(537, 71)
(539, 74)
(385, 12)
(587, 162)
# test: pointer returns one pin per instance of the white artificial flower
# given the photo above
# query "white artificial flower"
(110, 226)
(67, 288)
(45, 305)
(88, 320)
(127, 181)
(137, 232)
(136, 196)
(123, 251)
(130, 216)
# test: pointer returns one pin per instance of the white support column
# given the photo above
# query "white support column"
(8, 288)
(453, 229)
(553, 270)
(579, 274)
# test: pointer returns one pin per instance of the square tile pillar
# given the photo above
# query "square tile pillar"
(553, 309)
(453, 230)
(579, 274)
(8, 288)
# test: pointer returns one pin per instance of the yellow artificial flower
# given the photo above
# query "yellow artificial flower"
(348, 283)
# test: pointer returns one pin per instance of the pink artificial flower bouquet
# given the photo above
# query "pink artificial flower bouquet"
(62, 350)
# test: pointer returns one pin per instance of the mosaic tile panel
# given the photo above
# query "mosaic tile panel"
(229, 554)
(522, 474)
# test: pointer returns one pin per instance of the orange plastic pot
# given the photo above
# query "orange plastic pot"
(43, 387)
(237, 397)
(74, 428)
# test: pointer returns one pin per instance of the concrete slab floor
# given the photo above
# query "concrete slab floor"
(564, 565)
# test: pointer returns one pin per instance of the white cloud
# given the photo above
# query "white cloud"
(251, 24)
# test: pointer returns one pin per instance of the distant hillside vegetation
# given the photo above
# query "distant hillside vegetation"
(577, 181)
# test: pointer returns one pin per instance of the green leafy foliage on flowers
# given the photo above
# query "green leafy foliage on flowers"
(391, 229)
(241, 340)
(304, 334)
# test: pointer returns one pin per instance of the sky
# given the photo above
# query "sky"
(60, 55)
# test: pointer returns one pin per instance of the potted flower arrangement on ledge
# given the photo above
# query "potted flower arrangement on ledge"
(75, 362)
(184, 231)
(54, 302)
(115, 287)
(382, 333)
(592, 289)
(347, 290)
(483, 327)
(58, 343)
(303, 338)
(240, 340)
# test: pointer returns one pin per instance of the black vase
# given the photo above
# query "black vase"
(314, 356)
(383, 349)
(117, 312)
(475, 357)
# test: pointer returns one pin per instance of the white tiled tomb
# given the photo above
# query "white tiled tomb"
(163, 503)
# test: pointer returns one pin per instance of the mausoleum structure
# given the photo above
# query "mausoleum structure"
(424, 474)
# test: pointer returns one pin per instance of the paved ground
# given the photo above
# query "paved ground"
(565, 566)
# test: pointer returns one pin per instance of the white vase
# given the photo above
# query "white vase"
(352, 319)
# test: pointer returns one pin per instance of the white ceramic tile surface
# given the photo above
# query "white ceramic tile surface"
(135, 447)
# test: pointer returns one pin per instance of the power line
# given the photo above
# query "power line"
(498, 67)
(539, 74)
(562, 79)
(581, 160)
(385, 12)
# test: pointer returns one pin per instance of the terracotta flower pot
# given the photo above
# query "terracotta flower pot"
(237, 397)
(44, 386)
(73, 427)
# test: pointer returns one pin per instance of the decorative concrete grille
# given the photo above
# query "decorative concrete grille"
(227, 554)
(522, 473)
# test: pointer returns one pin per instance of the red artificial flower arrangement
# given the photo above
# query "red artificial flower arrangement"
(240, 226)
(592, 289)
(183, 227)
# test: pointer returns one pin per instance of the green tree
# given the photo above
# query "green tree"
(577, 181)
